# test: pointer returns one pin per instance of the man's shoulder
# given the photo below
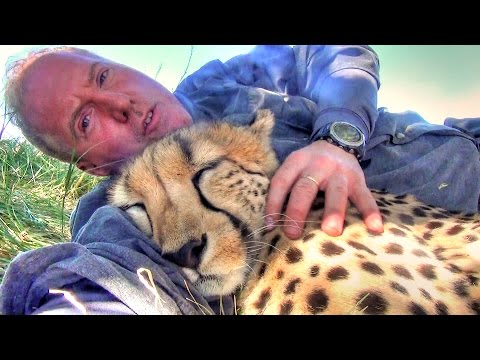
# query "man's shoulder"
(87, 205)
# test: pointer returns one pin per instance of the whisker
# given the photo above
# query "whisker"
(273, 246)
(200, 306)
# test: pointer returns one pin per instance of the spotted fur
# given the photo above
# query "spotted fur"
(200, 193)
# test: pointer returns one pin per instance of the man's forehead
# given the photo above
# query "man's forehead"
(50, 81)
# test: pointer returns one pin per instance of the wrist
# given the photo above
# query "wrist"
(346, 136)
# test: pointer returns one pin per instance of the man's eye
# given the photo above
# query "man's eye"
(85, 122)
(103, 77)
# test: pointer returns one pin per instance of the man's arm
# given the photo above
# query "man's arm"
(343, 82)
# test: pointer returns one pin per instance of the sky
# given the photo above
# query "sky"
(437, 81)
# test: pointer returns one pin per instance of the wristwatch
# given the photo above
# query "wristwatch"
(346, 136)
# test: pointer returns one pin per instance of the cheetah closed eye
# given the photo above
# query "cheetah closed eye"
(200, 194)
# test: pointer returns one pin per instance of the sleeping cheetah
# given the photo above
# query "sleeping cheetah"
(200, 193)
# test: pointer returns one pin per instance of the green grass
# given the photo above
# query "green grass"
(35, 202)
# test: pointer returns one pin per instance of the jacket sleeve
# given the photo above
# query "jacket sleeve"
(342, 80)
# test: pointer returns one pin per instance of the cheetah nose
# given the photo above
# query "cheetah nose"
(189, 254)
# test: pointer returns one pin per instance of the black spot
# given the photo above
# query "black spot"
(416, 309)
(425, 294)
(280, 274)
(460, 288)
(262, 300)
(434, 225)
(372, 304)
(395, 249)
(427, 271)
(314, 270)
(372, 268)
(317, 301)
(419, 212)
(453, 268)
(308, 236)
(475, 306)
(273, 243)
(427, 235)
(406, 219)
(264, 191)
(262, 270)
(360, 256)
(380, 203)
(360, 246)
(470, 238)
(286, 307)
(438, 215)
(441, 308)
(420, 240)
(399, 202)
(404, 227)
(337, 273)
(454, 230)
(398, 287)
(385, 212)
(438, 253)
(397, 232)
(330, 249)
(290, 289)
(403, 196)
(402, 271)
(239, 182)
(473, 280)
(294, 255)
(419, 253)
(255, 192)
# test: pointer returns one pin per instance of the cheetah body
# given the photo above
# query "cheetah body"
(200, 194)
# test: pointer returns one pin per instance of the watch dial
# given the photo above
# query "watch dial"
(347, 133)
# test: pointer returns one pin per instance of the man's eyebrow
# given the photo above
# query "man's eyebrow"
(73, 117)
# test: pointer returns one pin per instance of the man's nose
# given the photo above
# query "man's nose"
(118, 106)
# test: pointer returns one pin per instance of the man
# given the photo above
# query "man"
(324, 101)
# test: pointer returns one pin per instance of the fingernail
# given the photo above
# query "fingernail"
(377, 224)
(332, 228)
(270, 223)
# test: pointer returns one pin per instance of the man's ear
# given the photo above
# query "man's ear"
(91, 168)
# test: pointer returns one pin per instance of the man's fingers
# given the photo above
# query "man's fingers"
(280, 186)
(336, 201)
(363, 200)
(301, 198)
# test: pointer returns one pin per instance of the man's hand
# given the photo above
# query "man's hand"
(321, 166)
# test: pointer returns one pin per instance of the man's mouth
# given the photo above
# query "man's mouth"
(148, 120)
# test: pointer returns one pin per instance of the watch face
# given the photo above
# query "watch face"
(346, 133)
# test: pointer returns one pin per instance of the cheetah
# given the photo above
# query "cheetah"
(200, 194)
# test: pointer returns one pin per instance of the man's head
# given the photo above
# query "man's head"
(69, 99)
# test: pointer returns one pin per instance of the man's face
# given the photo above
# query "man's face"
(102, 109)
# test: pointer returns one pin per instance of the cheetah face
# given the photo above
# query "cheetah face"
(200, 194)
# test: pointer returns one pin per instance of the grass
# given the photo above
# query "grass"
(36, 199)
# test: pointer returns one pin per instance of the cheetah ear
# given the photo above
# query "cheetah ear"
(263, 123)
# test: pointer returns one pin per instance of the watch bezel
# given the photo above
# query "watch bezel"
(336, 137)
